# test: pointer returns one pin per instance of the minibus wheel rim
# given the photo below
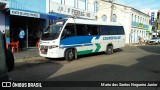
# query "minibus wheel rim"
(71, 55)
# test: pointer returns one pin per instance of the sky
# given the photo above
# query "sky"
(141, 4)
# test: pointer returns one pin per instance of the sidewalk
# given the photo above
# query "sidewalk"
(136, 44)
(27, 54)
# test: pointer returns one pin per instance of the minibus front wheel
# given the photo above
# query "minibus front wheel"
(70, 54)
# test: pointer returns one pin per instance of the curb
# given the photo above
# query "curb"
(135, 45)
(29, 59)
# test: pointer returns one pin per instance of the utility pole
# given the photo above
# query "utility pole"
(49, 11)
(158, 22)
(112, 6)
(156, 27)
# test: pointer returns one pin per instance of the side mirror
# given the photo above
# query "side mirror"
(9, 60)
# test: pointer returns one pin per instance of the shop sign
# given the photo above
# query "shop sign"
(141, 25)
(152, 18)
(24, 13)
(149, 29)
(61, 9)
(3, 1)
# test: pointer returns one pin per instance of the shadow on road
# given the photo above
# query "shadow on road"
(146, 69)
(56, 59)
(152, 49)
(35, 71)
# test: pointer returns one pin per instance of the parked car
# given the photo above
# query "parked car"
(155, 40)
(6, 59)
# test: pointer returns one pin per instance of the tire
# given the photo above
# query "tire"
(9, 60)
(109, 50)
(70, 55)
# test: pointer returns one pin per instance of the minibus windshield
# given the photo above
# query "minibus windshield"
(53, 31)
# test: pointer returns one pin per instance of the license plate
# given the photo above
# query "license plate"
(43, 51)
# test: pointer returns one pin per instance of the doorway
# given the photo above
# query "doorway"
(33, 28)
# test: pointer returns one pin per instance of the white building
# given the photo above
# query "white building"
(135, 22)
(64, 8)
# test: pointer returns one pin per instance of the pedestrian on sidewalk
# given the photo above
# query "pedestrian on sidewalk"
(21, 38)
(140, 41)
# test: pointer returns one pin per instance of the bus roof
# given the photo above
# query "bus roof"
(91, 22)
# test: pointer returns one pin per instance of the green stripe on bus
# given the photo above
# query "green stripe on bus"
(98, 47)
(84, 52)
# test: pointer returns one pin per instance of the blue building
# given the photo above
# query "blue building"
(33, 16)
(30, 15)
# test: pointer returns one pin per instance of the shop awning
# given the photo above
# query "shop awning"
(33, 14)
(58, 15)
(48, 16)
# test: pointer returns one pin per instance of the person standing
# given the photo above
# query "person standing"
(140, 41)
(21, 37)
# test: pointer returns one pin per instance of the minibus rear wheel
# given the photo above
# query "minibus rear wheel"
(109, 50)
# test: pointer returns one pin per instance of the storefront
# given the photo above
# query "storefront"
(34, 18)
(33, 23)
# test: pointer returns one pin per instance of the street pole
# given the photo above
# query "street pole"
(112, 6)
(27, 33)
(49, 10)
(156, 27)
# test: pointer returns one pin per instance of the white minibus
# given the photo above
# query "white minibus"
(71, 37)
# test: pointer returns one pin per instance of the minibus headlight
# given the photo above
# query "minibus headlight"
(53, 46)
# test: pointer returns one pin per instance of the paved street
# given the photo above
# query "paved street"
(129, 64)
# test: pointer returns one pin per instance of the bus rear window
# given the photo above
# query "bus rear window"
(111, 30)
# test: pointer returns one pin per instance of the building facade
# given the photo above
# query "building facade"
(66, 8)
(139, 26)
(29, 16)
(135, 22)
(33, 16)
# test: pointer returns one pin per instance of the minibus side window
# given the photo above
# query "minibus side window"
(69, 31)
